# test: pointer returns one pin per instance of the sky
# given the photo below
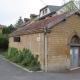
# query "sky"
(11, 10)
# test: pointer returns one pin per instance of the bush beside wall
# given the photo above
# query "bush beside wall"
(3, 42)
(24, 57)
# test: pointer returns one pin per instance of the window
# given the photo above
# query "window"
(75, 39)
(16, 39)
(45, 11)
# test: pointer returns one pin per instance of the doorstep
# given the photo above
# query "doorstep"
(74, 68)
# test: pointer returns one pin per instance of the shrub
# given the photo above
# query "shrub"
(35, 67)
(3, 42)
(18, 57)
(13, 52)
(24, 57)
(6, 30)
(35, 64)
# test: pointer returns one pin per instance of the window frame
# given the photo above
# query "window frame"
(45, 10)
(75, 40)
(17, 39)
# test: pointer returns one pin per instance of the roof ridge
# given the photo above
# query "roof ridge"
(66, 14)
(49, 22)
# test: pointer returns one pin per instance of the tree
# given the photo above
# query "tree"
(6, 30)
(11, 27)
(77, 3)
(19, 23)
(70, 6)
(4, 42)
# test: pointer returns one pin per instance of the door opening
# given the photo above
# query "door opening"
(74, 52)
(74, 57)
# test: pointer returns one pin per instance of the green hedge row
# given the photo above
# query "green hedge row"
(3, 42)
(24, 57)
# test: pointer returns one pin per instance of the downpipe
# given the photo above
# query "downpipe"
(45, 49)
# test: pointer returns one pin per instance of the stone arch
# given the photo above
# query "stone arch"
(71, 35)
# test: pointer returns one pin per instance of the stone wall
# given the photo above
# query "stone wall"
(60, 36)
(34, 42)
(58, 50)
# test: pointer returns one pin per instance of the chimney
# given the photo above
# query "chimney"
(26, 19)
(33, 15)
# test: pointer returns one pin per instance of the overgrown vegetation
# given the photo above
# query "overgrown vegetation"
(6, 30)
(4, 53)
(24, 58)
(3, 42)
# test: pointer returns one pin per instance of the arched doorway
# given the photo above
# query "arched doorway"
(74, 52)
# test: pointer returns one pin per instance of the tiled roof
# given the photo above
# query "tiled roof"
(41, 24)
(53, 8)
(2, 26)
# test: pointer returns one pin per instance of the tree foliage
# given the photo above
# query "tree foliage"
(24, 57)
(3, 42)
(69, 6)
(11, 27)
(6, 30)
(19, 23)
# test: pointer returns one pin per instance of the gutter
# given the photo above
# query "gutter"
(45, 49)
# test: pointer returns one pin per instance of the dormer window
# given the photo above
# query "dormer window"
(45, 11)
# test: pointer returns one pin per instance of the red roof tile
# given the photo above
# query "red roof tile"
(39, 24)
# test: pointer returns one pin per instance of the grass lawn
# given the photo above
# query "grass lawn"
(3, 53)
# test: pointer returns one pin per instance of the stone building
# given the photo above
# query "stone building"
(56, 40)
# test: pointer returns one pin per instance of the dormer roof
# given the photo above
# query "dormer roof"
(45, 23)
(51, 8)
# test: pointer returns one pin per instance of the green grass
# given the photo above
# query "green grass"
(3, 53)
